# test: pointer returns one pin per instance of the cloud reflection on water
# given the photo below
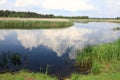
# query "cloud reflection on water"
(3, 34)
(57, 40)
(62, 40)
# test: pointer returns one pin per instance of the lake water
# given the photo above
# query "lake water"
(56, 47)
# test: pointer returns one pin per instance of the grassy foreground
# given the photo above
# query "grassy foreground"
(104, 59)
(108, 71)
(102, 76)
(23, 75)
(33, 24)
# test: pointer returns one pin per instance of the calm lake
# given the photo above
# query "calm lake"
(56, 48)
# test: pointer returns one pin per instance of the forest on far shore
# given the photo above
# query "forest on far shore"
(7, 13)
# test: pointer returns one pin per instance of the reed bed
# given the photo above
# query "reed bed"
(33, 24)
(97, 55)
(102, 53)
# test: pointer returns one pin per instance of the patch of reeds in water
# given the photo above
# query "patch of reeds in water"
(21, 24)
(9, 60)
(104, 53)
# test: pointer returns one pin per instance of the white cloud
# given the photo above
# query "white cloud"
(94, 8)
(26, 3)
(113, 5)
(70, 5)
(3, 1)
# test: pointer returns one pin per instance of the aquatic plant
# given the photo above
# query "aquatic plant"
(32, 24)
(84, 60)
(104, 53)
(7, 59)
(47, 69)
(4, 60)
(16, 59)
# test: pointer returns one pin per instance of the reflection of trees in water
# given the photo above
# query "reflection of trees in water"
(12, 61)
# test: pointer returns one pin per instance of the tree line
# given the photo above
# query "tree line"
(7, 13)
(118, 18)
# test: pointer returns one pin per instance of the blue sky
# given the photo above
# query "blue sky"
(92, 8)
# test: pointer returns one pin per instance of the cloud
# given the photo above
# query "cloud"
(70, 5)
(3, 1)
(92, 8)
(26, 3)
(113, 5)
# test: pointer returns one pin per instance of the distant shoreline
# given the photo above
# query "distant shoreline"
(95, 20)
(44, 23)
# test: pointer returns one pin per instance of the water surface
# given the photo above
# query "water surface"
(56, 47)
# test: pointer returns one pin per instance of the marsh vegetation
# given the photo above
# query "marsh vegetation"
(10, 62)
(104, 60)
(33, 24)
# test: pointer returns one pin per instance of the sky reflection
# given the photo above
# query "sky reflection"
(63, 41)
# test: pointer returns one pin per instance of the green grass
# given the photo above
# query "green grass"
(23, 75)
(105, 62)
(102, 76)
(100, 53)
(110, 71)
(21, 24)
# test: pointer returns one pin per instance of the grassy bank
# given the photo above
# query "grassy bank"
(23, 75)
(102, 62)
(102, 76)
(33, 24)
(95, 20)
(100, 53)
(109, 71)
